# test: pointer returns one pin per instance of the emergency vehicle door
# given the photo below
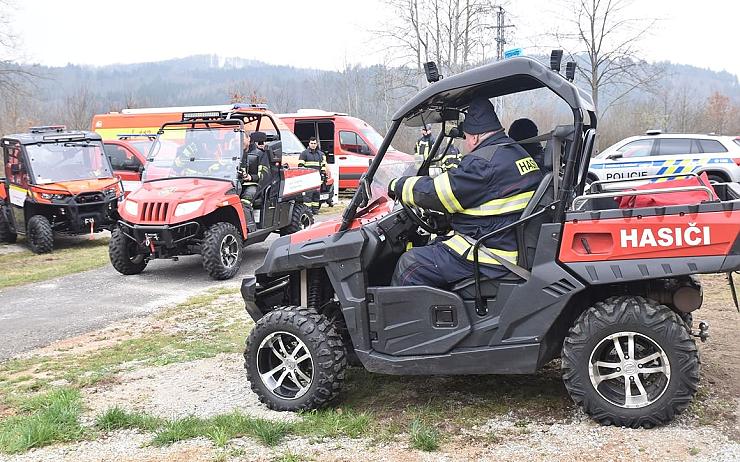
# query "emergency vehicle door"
(17, 184)
(631, 161)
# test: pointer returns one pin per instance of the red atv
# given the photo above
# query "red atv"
(189, 202)
(610, 291)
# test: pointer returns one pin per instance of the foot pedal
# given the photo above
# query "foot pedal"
(703, 332)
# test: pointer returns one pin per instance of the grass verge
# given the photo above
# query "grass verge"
(44, 419)
(423, 436)
(28, 267)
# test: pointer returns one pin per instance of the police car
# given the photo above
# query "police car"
(663, 154)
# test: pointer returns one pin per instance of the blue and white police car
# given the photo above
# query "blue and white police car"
(664, 154)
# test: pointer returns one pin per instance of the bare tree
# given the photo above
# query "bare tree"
(13, 76)
(601, 31)
(79, 109)
(719, 113)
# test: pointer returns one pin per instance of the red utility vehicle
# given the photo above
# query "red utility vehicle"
(127, 156)
(189, 201)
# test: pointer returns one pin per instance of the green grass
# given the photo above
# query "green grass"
(44, 419)
(423, 436)
(116, 419)
(221, 429)
(28, 267)
(336, 422)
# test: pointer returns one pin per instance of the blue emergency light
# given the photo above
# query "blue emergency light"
(513, 52)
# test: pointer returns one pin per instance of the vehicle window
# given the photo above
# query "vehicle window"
(326, 136)
(637, 148)
(19, 174)
(711, 146)
(351, 142)
(121, 159)
(674, 146)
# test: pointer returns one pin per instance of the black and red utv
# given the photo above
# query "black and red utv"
(609, 290)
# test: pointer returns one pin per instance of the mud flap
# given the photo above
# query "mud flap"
(731, 281)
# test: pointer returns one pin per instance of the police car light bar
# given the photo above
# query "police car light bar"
(249, 106)
(653, 132)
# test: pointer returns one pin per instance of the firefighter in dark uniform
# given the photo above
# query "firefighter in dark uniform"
(314, 158)
(253, 184)
(451, 158)
(487, 191)
(425, 143)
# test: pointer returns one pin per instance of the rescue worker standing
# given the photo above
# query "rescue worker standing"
(253, 184)
(425, 143)
(487, 191)
(314, 158)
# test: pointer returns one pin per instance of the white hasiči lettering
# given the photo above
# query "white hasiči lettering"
(665, 237)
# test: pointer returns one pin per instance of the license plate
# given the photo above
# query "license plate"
(324, 197)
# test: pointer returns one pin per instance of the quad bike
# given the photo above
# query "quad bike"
(56, 181)
(609, 291)
(190, 204)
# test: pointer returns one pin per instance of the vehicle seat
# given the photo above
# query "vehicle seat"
(526, 237)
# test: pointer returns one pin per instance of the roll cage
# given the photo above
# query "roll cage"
(437, 102)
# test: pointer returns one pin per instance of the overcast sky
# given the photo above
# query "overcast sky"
(322, 34)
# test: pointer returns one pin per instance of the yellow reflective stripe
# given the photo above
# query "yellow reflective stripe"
(444, 193)
(502, 206)
(464, 248)
(312, 163)
(393, 184)
(407, 195)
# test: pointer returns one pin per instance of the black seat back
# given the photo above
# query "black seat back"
(527, 235)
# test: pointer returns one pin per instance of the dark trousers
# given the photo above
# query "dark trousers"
(313, 200)
(437, 265)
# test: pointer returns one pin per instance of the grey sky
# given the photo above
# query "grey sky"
(324, 34)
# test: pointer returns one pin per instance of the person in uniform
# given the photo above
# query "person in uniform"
(314, 158)
(253, 184)
(425, 143)
(487, 191)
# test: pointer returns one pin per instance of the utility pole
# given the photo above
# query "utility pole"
(500, 32)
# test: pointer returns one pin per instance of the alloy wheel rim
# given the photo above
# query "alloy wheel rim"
(629, 370)
(229, 251)
(285, 365)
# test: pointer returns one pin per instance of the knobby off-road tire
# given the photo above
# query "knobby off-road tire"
(123, 254)
(662, 369)
(40, 235)
(295, 359)
(222, 251)
(301, 218)
(6, 235)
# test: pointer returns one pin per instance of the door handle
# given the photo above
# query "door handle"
(342, 157)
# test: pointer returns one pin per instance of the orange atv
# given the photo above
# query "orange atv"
(56, 181)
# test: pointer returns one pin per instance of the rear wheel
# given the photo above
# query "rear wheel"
(301, 218)
(630, 362)
(123, 253)
(6, 235)
(295, 359)
(40, 235)
(222, 251)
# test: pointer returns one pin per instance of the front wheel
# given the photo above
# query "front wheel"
(630, 362)
(295, 359)
(40, 235)
(222, 251)
(301, 218)
(123, 253)
(6, 234)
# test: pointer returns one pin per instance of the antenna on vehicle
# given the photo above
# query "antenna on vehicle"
(430, 69)
(570, 70)
(556, 57)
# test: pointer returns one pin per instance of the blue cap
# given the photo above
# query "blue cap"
(481, 117)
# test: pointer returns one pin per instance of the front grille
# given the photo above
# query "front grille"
(85, 198)
(154, 211)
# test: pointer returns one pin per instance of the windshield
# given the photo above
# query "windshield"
(68, 161)
(195, 152)
(142, 145)
(392, 166)
(291, 144)
(373, 137)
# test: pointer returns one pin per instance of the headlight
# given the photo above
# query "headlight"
(131, 207)
(56, 197)
(187, 207)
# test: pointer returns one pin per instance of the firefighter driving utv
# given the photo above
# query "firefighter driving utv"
(549, 277)
(205, 192)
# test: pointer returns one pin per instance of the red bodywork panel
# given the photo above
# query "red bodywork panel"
(158, 200)
(667, 236)
(376, 210)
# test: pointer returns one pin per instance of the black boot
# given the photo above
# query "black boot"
(249, 216)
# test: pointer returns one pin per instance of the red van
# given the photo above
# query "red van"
(349, 142)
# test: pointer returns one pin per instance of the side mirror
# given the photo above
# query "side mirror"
(275, 152)
(365, 150)
(15, 169)
(329, 158)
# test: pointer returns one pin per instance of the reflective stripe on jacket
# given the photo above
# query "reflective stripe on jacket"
(488, 190)
(312, 159)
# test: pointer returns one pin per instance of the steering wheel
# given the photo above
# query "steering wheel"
(417, 216)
